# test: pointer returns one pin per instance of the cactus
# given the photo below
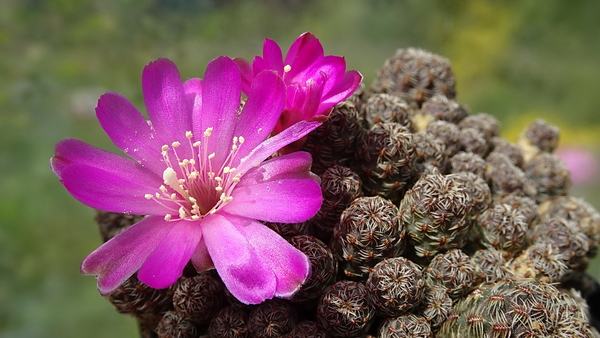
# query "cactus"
(435, 213)
(416, 76)
(520, 308)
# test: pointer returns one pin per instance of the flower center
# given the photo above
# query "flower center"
(197, 187)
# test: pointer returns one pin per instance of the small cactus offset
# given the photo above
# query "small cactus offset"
(431, 225)
(435, 213)
(540, 136)
(334, 142)
(416, 76)
(344, 309)
(396, 286)
(386, 162)
(369, 231)
(454, 271)
(340, 187)
(523, 308)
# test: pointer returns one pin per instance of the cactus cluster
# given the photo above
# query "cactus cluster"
(431, 226)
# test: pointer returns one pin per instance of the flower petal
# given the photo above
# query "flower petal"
(120, 257)
(296, 165)
(343, 89)
(165, 264)
(281, 190)
(221, 93)
(246, 72)
(298, 47)
(104, 180)
(272, 56)
(327, 71)
(245, 275)
(116, 192)
(165, 100)
(310, 53)
(193, 94)
(314, 92)
(271, 145)
(258, 65)
(129, 131)
(291, 267)
(72, 151)
(261, 111)
(201, 258)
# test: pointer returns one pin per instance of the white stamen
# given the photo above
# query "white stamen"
(208, 132)
(188, 134)
(175, 144)
(287, 68)
(170, 178)
(168, 217)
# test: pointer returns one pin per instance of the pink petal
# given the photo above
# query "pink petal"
(290, 266)
(299, 45)
(281, 190)
(104, 180)
(165, 100)
(272, 56)
(271, 145)
(333, 69)
(258, 65)
(120, 257)
(129, 131)
(261, 111)
(296, 96)
(314, 91)
(72, 151)
(245, 275)
(193, 94)
(165, 264)
(343, 89)
(221, 94)
(310, 53)
(296, 165)
(201, 258)
(247, 74)
(327, 71)
(117, 192)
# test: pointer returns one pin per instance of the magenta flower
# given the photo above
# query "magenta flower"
(582, 164)
(199, 172)
(315, 82)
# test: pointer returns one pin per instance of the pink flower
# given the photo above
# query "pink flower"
(583, 165)
(198, 172)
(314, 82)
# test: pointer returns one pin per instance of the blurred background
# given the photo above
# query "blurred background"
(517, 60)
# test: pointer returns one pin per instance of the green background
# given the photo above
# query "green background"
(517, 60)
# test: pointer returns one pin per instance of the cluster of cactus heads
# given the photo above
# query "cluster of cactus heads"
(431, 226)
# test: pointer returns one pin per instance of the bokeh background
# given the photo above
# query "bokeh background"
(518, 60)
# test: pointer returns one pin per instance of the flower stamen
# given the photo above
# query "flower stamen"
(196, 191)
